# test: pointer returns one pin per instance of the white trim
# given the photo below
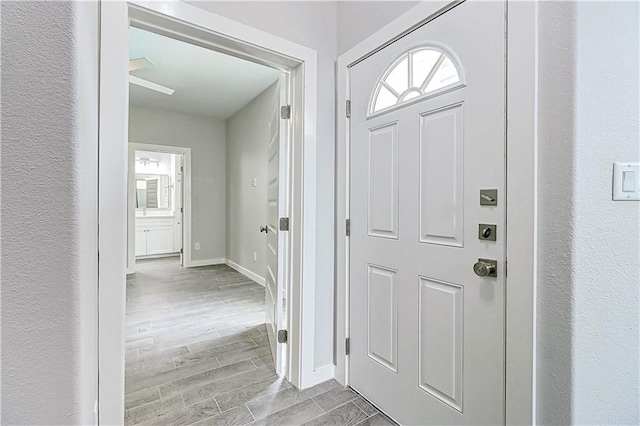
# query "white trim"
(186, 196)
(522, 208)
(112, 210)
(189, 23)
(207, 262)
(157, 256)
(324, 373)
(521, 194)
(247, 273)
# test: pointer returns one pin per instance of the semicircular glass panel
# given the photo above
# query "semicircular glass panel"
(421, 71)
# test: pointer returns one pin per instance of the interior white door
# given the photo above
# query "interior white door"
(427, 134)
(275, 277)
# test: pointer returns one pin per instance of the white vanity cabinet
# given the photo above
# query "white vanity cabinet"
(155, 236)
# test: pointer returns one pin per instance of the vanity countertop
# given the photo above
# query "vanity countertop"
(155, 216)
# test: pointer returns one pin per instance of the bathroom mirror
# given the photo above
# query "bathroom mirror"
(153, 192)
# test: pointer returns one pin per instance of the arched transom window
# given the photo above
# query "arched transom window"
(422, 71)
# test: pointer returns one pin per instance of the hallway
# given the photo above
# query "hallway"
(197, 352)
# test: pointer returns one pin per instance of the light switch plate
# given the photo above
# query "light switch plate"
(626, 181)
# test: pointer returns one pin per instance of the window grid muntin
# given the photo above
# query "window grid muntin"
(401, 98)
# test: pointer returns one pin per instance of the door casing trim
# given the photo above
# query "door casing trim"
(206, 29)
(521, 186)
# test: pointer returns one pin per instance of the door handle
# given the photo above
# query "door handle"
(485, 268)
(264, 229)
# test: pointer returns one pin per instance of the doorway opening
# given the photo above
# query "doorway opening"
(204, 29)
(208, 156)
(157, 192)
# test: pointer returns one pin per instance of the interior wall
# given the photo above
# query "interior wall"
(49, 211)
(589, 245)
(357, 20)
(311, 24)
(247, 156)
(608, 129)
(206, 137)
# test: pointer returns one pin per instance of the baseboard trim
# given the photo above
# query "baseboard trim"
(206, 262)
(247, 273)
(158, 256)
(319, 375)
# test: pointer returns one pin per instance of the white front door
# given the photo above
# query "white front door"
(275, 298)
(427, 135)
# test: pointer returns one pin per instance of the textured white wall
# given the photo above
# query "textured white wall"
(247, 155)
(311, 24)
(607, 250)
(357, 20)
(49, 211)
(589, 245)
(206, 138)
(556, 211)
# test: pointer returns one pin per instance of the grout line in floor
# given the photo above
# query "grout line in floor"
(250, 412)
(217, 405)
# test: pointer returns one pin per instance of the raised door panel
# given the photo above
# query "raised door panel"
(441, 176)
(383, 316)
(383, 181)
(441, 341)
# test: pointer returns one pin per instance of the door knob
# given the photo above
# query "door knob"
(264, 229)
(486, 268)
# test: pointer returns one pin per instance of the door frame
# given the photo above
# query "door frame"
(198, 26)
(185, 194)
(521, 189)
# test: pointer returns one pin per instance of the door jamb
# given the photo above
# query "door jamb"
(521, 169)
(199, 27)
(185, 194)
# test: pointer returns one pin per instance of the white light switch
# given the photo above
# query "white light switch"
(626, 181)
(254, 182)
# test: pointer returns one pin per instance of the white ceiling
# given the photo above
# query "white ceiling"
(205, 82)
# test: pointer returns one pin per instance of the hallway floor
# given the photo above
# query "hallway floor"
(197, 353)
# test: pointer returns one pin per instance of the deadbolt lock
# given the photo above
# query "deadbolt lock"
(486, 232)
(486, 268)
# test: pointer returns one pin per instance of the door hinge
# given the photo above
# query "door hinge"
(348, 226)
(348, 107)
(285, 112)
(181, 209)
(347, 346)
(182, 168)
(284, 223)
(283, 336)
(181, 250)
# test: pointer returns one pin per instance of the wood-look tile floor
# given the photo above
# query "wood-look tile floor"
(197, 353)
